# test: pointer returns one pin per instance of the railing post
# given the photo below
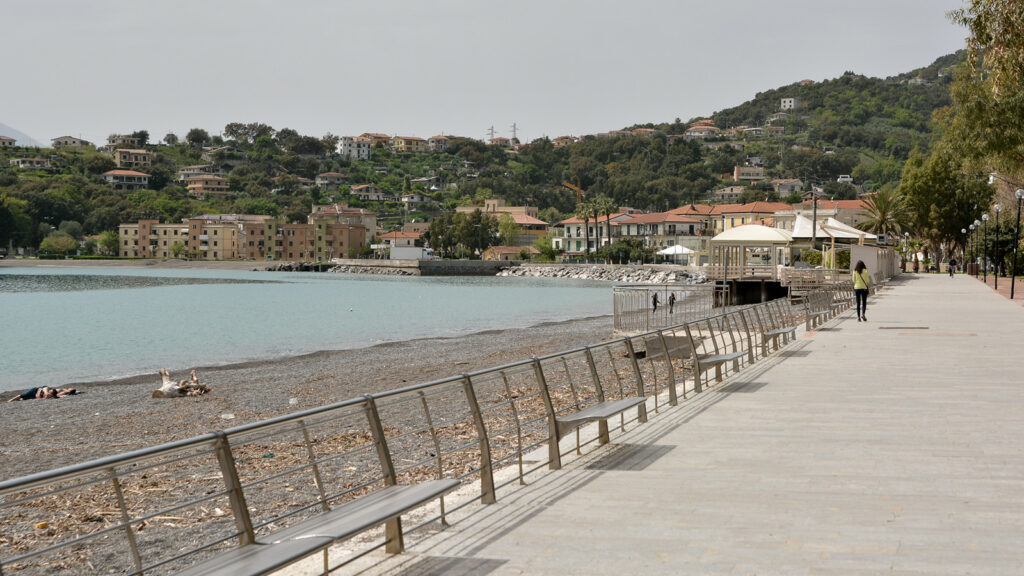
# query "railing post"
(234, 487)
(394, 540)
(602, 425)
(519, 430)
(554, 454)
(672, 398)
(136, 558)
(487, 494)
(317, 478)
(642, 416)
(437, 447)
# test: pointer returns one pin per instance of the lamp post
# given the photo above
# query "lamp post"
(971, 242)
(995, 248)
(906, 249)
(984, 247)
(963, 259)
(977, 228)
(1016, 239)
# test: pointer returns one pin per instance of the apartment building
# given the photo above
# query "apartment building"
(132, 158)
(355, 147)
(409, 144)
(128, 180)
(70, 142)
(202, 185)
(151, 239)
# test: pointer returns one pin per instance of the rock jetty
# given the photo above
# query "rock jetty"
(620, 274)
(384, 271)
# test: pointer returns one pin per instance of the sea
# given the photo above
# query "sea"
(64, 325)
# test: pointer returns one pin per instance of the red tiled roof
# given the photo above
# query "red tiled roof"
(759, 207)
(398, 235)
(658, 217)
(699, 209)
(837, 204)
(527, 220)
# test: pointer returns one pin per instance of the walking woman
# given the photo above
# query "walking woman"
(861, 282)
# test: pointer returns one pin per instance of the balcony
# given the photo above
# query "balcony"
(204, 237)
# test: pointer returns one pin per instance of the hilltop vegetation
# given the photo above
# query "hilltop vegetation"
(866, 127)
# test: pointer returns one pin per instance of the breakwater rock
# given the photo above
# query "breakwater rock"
(619, 274)
(384, 271)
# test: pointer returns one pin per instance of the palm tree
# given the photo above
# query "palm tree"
(606, 206)
(888, 212)
(583, 211)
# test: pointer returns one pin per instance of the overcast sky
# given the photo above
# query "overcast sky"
(419, 68)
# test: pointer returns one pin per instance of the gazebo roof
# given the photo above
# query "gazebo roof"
(753, 234)
(828, 227)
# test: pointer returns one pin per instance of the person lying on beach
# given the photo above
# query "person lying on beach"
(44, 392)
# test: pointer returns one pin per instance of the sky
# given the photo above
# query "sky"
(91, 68)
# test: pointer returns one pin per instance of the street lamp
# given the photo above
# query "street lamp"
(906, 249)
(973, 238)
(963, 260)
(995, 248)
(984, 262)
(1016, 239)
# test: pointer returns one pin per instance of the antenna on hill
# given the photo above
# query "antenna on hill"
(514, 128)
(490, 133)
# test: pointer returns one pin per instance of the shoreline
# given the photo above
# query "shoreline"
(111, 417)
(315, 355)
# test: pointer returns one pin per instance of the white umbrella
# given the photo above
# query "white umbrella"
(676, 250)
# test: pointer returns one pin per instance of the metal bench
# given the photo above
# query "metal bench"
(715, 342)
(279, 549)
(779, 323)
(558, 376)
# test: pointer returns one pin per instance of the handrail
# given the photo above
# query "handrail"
(460, 420)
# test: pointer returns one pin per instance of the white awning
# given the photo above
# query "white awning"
(677, 250)
(754, 234)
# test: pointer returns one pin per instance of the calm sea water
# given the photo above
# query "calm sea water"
(82, 324)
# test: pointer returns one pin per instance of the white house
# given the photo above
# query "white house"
(355, 147)
(70, 142)
(126, 179)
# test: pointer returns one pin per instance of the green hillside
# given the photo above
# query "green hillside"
(865, 127)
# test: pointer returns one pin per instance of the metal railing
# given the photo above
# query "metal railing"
(635, 312)
(161, 509)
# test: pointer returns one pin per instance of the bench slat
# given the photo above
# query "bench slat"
(284, 547)
(601, 411)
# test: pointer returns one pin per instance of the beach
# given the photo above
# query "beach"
(108, 418)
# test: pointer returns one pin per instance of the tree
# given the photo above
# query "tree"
(987, 120)
(197, 137)
(583, 212)
(58, 243)
(604, 206)
(942, 196)
(71, 228)
(178, 248)
(508, 230)
(887, 213)
(142, 136)
(108, 242)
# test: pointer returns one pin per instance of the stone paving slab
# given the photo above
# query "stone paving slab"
(891, 446)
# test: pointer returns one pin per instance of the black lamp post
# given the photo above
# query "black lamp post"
(977, 228)
(995, 248)
(1016, 239)
(984, 262)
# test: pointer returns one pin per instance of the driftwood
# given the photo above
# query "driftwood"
(171, 389)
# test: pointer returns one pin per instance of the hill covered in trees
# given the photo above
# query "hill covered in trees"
(866, 127)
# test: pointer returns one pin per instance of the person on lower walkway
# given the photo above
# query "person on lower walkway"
(861, 283)
(671, 302)
(654, 301)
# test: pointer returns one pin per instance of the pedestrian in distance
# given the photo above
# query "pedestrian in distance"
(671, 302)
(952, 266)
(654, 301)
(861, 283)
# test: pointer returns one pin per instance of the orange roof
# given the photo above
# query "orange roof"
(837, 204)
(123, 173)
(409, 138)
(698, 209)
(760, 207)
(667, 217)
(398, 235)
(526, 219)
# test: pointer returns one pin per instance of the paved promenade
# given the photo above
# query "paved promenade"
(894, 446)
